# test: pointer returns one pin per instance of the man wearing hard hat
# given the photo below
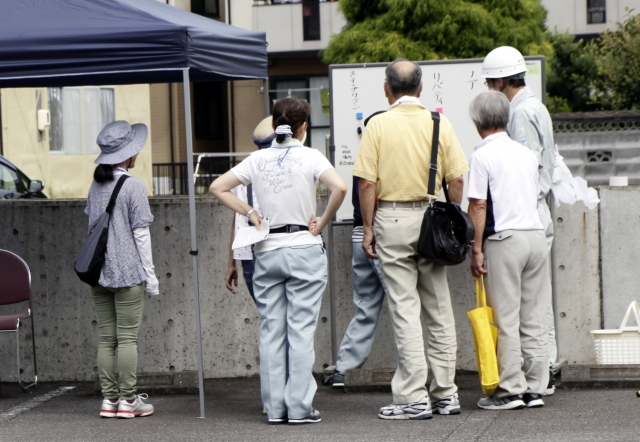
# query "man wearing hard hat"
(530, 124)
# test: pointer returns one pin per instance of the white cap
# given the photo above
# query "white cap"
(503, 62)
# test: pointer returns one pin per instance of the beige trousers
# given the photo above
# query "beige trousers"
(416, 291)
(519, 291)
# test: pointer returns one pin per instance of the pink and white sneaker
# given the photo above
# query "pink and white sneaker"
(137, 408)
(109, 408)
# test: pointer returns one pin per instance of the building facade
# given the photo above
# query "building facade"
(587, 18)
(62, 154)
(225, 113)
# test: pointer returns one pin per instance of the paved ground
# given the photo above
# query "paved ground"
(234, 414)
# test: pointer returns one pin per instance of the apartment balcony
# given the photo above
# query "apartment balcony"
(303, 26)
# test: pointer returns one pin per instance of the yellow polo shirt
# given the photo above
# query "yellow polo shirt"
(395, 153)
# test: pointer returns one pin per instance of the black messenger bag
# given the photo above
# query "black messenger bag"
(447, 231)
(90, 260)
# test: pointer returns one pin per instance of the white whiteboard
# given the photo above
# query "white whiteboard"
(448, 84)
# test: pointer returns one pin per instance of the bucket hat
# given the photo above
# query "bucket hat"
(120, 141)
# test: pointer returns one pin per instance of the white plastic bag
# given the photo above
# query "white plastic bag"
(587, 195)
(568, 189)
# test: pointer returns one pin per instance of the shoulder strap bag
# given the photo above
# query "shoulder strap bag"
(447, 231)
(90, 260)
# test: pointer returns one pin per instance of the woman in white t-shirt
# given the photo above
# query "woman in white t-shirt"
(291, 265)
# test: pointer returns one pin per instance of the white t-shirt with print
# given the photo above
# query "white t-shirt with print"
(243, 253)
(284, 180)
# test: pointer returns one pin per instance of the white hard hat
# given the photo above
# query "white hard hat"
(503, 62)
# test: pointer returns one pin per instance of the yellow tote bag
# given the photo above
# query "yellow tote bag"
(485, 338)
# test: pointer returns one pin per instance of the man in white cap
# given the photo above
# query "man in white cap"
(530, 124)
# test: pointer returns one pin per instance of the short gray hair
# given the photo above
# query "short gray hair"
(490, 110)
(403, 82)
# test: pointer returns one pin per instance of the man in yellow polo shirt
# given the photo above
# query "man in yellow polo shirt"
(393, 166)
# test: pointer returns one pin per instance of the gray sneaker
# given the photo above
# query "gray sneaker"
(313, 418)
(413, 411)
(447, 405)
(513, 402)
(136, 409)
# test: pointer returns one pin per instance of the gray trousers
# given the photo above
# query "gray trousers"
(288, 284)
(545, 218)
(519, 291)
(368, 296)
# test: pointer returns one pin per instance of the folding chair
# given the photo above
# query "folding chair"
(15, 287)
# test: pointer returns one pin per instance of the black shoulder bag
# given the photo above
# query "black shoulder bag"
(90, 260)
(447, 231)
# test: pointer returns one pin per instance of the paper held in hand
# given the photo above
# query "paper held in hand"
(250, 235)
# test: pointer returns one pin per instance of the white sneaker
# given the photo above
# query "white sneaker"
(447, 405)
(135, 409)
(413, 411)
(109, 409)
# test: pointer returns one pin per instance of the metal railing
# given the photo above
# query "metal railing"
(172, 178)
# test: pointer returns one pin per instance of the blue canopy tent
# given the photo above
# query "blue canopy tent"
(53, 43)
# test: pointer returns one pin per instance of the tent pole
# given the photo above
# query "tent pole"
(192, 219)
(265, 88)
(332, 271)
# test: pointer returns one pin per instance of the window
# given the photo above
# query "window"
(9, 180)
(207, 8)
(210, 110)
(78, 114)
(596, 11)
(316, 91)
(310, 20)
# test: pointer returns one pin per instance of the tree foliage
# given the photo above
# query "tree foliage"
(571, 74)
(618, 63)
(600, 74)
(382, 30)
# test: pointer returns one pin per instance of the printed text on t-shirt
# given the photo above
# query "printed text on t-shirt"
(278, 177)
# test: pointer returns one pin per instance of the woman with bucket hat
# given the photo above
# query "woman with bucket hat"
(128, 270)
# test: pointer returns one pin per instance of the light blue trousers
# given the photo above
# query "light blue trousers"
(368, 296)
(288, 284)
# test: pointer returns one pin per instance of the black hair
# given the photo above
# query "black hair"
(290, 111)
(103, 173)
(516, 82)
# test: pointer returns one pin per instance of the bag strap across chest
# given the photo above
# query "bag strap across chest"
(433, 167)
(114, 194)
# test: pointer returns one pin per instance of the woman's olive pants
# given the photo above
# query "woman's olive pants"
(119, 317)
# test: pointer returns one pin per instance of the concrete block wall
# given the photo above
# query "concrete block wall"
(577, 267)
(48, 234)
(624, 147)
(620, 244)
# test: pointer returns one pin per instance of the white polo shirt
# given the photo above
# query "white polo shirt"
(505, 174)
